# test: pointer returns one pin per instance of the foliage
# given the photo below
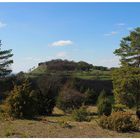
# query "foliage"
(46, 103)
(5, 62)
(126, 80)
(89, 97)
(83, 66)
(100, 68)
(49, 87)
(119, 121)
(69, 98)
(102, 95)
(119, 107)
(129, 50)
(22, 102)
(65, 65)
(6, 85)
(95, 86)
(104, 104)
(104, 107)
(20, 75)
(80, 114)
(126, 83)
(43, 92)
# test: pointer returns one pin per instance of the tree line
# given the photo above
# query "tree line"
(65, 65)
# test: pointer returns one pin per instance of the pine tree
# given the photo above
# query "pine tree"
(129, 50)
(5, 62)
(126, 80)
(126, 83)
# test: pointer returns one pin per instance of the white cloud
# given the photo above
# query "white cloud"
(2, 25)
(61, 54)
(111, 33)
(61, 43)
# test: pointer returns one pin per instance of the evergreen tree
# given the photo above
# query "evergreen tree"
(104, 104)
(102, 95)
(126, 80)
(90, 97)
(129, 50)
(126, 83)
(5, 61)
(23, 101)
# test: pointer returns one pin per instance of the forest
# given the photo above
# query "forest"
(63, 98)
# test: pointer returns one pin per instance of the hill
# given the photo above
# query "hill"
(79, 69)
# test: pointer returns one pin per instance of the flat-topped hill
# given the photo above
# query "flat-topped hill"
(79, 69)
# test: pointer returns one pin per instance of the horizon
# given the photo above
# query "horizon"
(90, 32)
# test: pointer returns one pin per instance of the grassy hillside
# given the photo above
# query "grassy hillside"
(39, 70)
(91, 75)
(82, 70)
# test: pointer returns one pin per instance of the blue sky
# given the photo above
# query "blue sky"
(76, 31)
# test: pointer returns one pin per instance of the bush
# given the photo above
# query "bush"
(102, 95)
(90, 97)
(22, 102)
(80, 115)
(119, 121)
(97, 85)
(6, 85)
(46, 103)
(49, 87)
(119, 107)
(104, 104)
(69, 99)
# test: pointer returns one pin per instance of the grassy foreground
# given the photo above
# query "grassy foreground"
(57, 126)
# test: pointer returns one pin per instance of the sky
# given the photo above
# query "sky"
(38, 32)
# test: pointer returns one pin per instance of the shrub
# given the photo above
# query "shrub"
(104, 104)
(119, 107)
(119, 121)
(90, 97)
(22, 102)
(69, 99)
(104, 107)
(6, 85)
(46, 103)
(102, 95)
(49, 87)
(129, 100)
(83, 85)
(80, 115)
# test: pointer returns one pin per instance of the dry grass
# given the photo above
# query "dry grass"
(57, 126)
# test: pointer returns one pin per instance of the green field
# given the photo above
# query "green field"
(94, 74)
(90, 75)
